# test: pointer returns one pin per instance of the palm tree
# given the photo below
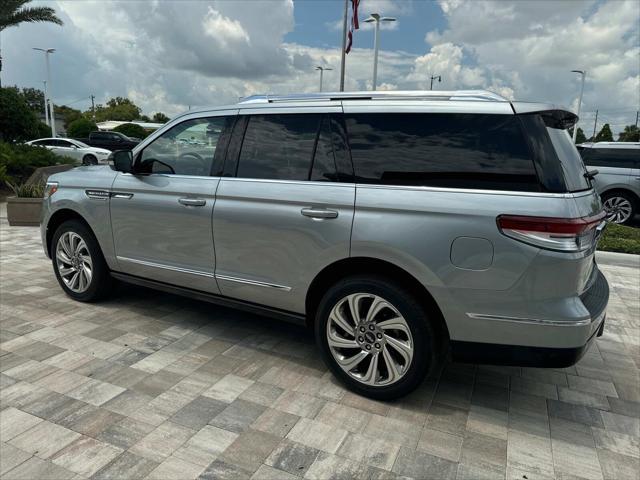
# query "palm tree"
(15, 12)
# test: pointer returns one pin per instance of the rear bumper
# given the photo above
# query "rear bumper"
(595, 300)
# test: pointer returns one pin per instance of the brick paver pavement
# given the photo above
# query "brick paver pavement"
(149, 385)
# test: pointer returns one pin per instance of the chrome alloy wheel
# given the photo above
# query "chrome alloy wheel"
(74, 262)
(370, 339)
(618, 209)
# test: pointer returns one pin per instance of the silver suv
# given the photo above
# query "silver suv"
(618, 179)
(402, 227)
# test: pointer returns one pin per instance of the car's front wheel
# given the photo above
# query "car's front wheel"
(78, 262)
(375, 336)
(89, 160)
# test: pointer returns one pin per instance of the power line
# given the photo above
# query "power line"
(76, 101)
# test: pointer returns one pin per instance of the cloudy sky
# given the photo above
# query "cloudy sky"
(169, 55)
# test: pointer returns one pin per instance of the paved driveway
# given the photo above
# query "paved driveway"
(156, 386)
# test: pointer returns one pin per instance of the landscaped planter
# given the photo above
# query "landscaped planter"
(24, 212)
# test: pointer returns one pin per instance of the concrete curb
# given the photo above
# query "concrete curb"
(618, 259)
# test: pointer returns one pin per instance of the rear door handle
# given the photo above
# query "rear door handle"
(192, 202)
(319, 213)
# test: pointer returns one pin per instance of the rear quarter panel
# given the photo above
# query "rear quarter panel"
(414, 228)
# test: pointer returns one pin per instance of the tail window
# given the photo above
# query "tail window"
(570, 160)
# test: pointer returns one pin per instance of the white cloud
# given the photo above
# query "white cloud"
(225, 31)
(529, 48)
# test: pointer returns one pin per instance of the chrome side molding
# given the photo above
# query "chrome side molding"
(253, 282)
(533, 321)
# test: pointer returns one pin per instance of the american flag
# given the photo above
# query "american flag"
(355, 25)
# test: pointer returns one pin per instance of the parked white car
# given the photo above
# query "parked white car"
(79, 151)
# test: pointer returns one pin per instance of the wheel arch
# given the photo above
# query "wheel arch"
(368, 265)
(57, 219)
(622, 189)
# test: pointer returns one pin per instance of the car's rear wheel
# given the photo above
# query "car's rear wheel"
(375, 336)
(620, 206)
(89, 160)
(78, 262)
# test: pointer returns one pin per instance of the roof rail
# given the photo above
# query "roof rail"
(475, 95)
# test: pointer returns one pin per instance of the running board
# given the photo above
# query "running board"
(254, 308)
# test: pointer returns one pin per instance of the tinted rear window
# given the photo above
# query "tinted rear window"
(442, 150)
(572, 166)
(611, 157)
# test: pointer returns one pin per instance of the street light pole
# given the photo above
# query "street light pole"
(46, 107)
(433, 77)
(375, 17)
(575, 127)
(322, 70)
(48, 100)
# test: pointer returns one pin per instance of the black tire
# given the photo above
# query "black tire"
(626, 196)
(424, 335)
(89, 160)
(101, 283)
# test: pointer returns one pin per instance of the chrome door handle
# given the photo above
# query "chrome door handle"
(319, 213)
(192, 202)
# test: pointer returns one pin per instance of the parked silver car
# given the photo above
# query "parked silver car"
(618, 179)
(399, 226)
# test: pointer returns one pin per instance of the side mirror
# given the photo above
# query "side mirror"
(122, 160)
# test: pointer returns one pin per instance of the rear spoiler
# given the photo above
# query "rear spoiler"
(554, 116)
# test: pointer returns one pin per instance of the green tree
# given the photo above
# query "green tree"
(160, 118)
(131, 130)
(17, 122)
(580, 136)
(69, 114)
(118, 108)
(604, 135)
(81, 128)
(631, 133)
(34, 98)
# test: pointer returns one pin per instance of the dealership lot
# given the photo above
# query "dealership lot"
(149, 385)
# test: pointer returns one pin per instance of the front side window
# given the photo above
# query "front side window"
(476, 151)
(189, 148)
(279, 146)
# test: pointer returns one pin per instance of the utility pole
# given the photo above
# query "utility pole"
(637, 113)
(584, 74)
(375, 17)
(433, 77)
(595, 123)
(93, 107)
(344, 44)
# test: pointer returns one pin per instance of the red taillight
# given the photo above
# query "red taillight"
(562, 234)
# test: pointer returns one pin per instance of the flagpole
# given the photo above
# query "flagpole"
(344, 44)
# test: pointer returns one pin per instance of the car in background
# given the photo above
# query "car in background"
(110, 140)
(79, 151)
(618, 179)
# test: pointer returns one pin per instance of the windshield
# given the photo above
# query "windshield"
(572, 166)
(81, 144)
